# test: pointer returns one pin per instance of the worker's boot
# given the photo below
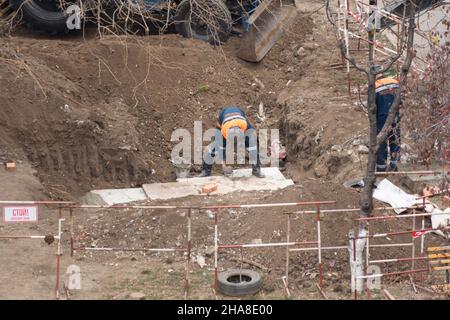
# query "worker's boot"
(256, 171)
(256, 168)
(258, 174)
(204, 173)
(395, 159)
(206, 170)
(393, 167)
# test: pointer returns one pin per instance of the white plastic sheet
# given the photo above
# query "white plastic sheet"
(388, 192)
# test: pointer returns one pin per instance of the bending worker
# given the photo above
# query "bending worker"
(385, 88)
(232, 123)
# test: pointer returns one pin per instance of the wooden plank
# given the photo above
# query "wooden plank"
(433, 249)
(441, 287)
(412, 283)
(435, 262)
(438, 256)
(440, 268)
(388, 295)
(321, 292)
(425, 288)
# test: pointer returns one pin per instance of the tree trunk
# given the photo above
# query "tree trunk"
(366, 200)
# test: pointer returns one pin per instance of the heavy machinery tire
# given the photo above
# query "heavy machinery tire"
(42, 15)
(229, 282)
(207, 20)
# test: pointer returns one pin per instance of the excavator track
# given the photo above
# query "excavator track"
(5, 9)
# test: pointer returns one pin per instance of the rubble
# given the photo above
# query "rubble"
(137, 295)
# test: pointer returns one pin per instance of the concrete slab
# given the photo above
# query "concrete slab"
(114, 196)
(169, 190)
(416, 183)
(241, 180)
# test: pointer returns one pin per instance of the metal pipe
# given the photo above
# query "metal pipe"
(71, 232)
(23, 237)
(264, 205)
(79, 206)
(422, 237)
(396, 173)
(48, 202)
(58, 254)
(347, 45)
(354, 210)
(214, 207)
(258, 245)
(367, 258)
(381, 235)
(129, 249)
(319, 249)
(393, 273)
(354, 266)
(400, 216)
(378, 45)
(216, 252)
(288, 236)
(398, 260)
(413, 243)
(316, 248)
(384, 245)
(345, 247)
(189, 246)
(422, 242)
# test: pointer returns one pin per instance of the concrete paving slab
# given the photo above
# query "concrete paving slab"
(169, 190)
(416, 183)
(241, 180)
(114, 196)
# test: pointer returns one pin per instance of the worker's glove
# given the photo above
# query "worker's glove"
(227, 171)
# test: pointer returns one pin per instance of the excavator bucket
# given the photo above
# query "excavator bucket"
(266, 25)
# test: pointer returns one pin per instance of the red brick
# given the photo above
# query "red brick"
(10, 166)
(208, 188)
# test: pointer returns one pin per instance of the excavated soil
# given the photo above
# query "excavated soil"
(100, 113)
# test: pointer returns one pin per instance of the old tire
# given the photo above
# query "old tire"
(193, 21)
(229, 282)
(42, 15)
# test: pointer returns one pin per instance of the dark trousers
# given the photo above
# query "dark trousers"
(393, 141)
(219, 148)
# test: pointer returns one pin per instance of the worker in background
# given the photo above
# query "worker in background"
(232, 122)
(385, 88)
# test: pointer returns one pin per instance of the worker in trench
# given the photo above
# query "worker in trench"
(385, 88)
(233, 127)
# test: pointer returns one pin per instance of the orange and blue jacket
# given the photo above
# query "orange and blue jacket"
(384, 95)
(232, 117)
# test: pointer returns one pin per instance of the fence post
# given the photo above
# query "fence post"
(189, 248)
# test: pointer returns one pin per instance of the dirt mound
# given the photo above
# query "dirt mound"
(103, 112)
(99, 113)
